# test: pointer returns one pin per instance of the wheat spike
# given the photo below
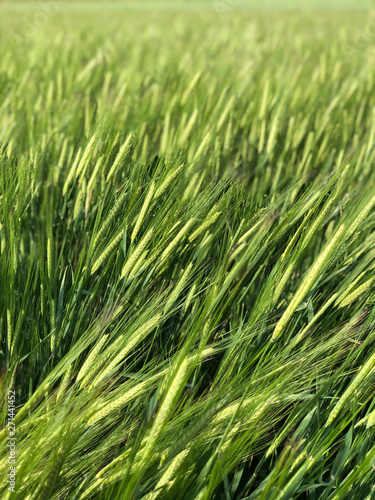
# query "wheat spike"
(164, 185)
(121, 155)
(139, 335)
(91, 358)
(207, 223)
(178, 288)
(352, 297)
(110, 217)
(71, 172)
(106, 409)
(105, 254)
(9, 332)
(165, 409)
(87, 154)
(129, 265)
(143, 211)
(176, 240)
(359, 378)
(94, 174)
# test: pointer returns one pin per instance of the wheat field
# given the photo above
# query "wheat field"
(187, 251)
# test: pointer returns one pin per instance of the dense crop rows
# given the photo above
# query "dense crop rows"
(187, 255)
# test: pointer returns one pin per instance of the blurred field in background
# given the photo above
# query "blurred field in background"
(199, 4)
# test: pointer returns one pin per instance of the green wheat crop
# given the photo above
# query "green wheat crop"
(187, 251)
